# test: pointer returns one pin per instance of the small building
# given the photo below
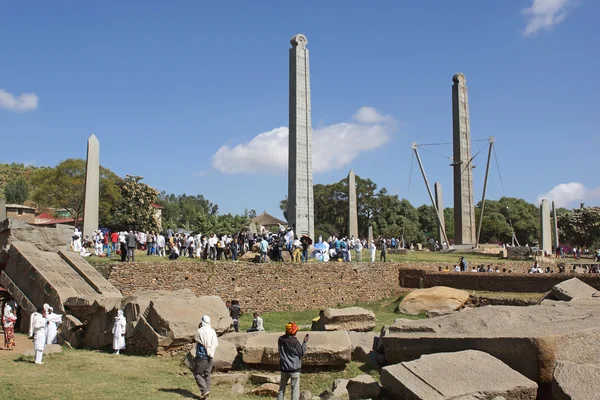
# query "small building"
(53, 220)
(269, 222)
(20, 212)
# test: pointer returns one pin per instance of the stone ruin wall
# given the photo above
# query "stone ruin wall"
(268, 287)
(493, 282)
(278, 287)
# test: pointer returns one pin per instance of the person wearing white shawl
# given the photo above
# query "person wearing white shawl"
(8, 322)
(373, 250)
(119, 332)
(37, 330)
(54, 320)
(206, 345)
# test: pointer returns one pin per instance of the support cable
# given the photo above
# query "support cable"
(412, 161)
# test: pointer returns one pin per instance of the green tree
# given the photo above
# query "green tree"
(17, 191)
(134, 210)
(64, 187)
(580, 226)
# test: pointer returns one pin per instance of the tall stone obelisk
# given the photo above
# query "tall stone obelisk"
(300, 180)
(556, 241)
(439, 203)
(352, 206)
(92, 187)
(464, 206)
(545, 230)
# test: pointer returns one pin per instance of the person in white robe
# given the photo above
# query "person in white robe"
(37, 330)
(206, 346)
(119, 332)
(373, 250)
(77, 240)
(54, 320)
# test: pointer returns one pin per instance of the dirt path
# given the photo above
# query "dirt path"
(22, 345)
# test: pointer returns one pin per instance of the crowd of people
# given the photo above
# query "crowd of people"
(43, 328)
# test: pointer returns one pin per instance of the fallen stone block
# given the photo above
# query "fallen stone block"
(363, 387)
(362, 344)
(467, 375)
(240, 338)
(266, 390)
(528, 339)
(259, 379)
(339, 387)
(171, 319)
(345, 319)
(305, 395)
(324, 349)
(575, 381)
(572, 289)
(237, 389)
(437, 300)
(225, 357)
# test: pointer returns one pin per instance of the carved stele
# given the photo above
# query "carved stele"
(352, 206)
(464, 206)
(300, 181)
(92, 187)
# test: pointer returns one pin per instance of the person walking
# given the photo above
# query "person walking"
(54, 320)
(131, 241)
(383, 250)
(235, 311)
(206, 346)
(8, 322)
(263, 247)
(37, 330)
(119, 332)
(358, 247)
(290, 352)
(373, 250)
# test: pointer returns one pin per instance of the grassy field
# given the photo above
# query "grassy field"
(275, 321)
(85, 374)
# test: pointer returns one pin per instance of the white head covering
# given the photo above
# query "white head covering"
(46, 307)
(120, 317)
(206, 320)
(7, 310)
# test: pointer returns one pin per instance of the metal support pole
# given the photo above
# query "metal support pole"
(437, 212)
(487, 170)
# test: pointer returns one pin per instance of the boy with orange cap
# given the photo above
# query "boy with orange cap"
(290, 352)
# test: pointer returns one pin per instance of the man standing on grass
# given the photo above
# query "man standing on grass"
(290, 352)
(206, 345)
(131, 243)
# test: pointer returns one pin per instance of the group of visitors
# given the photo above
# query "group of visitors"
(290, 353)
(43, 328)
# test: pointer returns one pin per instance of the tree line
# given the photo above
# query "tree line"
(392, 216)
(125, 204)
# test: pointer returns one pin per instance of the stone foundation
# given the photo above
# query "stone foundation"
(266, 287)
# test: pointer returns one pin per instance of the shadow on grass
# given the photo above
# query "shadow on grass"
(24, 359)
(183, 392)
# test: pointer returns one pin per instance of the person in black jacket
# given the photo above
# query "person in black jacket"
(290, 352)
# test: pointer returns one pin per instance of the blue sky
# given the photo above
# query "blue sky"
(194, 95)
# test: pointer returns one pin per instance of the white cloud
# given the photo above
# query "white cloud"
(23, 102)
(369, 115)
(333, 146)
(570, 195)
(545, 14)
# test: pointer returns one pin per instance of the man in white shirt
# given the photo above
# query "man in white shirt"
(37, 330)
(160, 244)
(206, 346)
(257, 324)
